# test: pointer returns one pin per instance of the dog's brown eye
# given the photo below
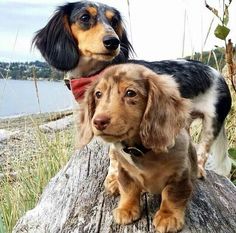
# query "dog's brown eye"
(85, 18)
(130, 93)
(114, 22)
(98, 94)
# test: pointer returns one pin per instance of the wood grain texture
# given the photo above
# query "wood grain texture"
(75, 201)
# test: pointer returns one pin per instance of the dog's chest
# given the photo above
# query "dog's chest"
(151, 175)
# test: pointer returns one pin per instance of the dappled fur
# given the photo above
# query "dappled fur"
(171, 110)
(170, 113)
(85, 114)
(154, 115)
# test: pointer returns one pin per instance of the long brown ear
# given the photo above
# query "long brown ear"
(86, 112)
(166, 112)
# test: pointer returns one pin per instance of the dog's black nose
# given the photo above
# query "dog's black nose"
(101, 122)
(111, 42)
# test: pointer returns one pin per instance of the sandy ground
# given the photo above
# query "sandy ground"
(24, 141)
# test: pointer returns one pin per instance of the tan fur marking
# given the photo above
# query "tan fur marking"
(86, 40)
(170, 217)
(90, 42)
(129, 205)
(120, 30)
(111, 181)
(92, 10)
(204, 146)
(109, 14)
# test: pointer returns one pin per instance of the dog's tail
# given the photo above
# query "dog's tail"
(219, 160)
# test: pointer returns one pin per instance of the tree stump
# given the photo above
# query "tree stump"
(75, 201)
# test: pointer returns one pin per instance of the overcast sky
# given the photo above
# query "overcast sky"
(157, 26)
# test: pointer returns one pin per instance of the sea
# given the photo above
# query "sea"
(21, 97)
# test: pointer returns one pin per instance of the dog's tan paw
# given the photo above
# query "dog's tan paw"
(111, 184)
(201, 173)
(126, 216)
(167, 222)
(202, 157)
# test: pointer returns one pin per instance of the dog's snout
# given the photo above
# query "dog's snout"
(111, 42)
(101, 122)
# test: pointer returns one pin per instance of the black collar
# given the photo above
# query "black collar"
(136, 150)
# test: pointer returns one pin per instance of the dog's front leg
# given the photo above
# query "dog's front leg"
(170, 217)
(111, 181)
(129, 205)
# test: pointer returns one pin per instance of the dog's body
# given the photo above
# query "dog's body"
(83, 38)
(143, 115)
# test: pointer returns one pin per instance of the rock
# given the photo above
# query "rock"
(6, 134)
(57, 124)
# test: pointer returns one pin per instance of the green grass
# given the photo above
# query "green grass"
(2, 226)
(21, 193)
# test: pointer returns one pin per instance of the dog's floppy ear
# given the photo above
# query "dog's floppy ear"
(125, 46)
(56, 42)
(166, 112)
(86, 112)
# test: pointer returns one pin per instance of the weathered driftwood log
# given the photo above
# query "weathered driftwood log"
(75, 201)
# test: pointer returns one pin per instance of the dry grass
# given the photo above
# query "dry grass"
(21, 192)
(231, 134)
(231, 122)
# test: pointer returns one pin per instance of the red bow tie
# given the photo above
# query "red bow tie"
(80, 85)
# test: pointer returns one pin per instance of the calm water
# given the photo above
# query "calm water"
(19, 97)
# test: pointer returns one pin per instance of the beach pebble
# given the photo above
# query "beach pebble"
(6, 134)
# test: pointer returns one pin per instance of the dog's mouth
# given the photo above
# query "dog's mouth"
(103, 56)
(109, 137)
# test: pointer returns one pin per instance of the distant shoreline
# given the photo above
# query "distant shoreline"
(28, 121)
(33, 115)
(31, 69)
(31, 79)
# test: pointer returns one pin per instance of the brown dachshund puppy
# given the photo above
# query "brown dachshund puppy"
(143, 115)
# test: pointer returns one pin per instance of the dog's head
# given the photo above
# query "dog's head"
(130, 102)
(87, 29)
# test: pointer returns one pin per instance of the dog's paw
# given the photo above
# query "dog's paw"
(126, 216)
(168, 222)
(111, 185)
(201, 173)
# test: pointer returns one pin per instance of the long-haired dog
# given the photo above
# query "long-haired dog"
(84, 38)
(144, 116)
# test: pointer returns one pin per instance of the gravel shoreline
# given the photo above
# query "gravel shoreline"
(25, 142)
